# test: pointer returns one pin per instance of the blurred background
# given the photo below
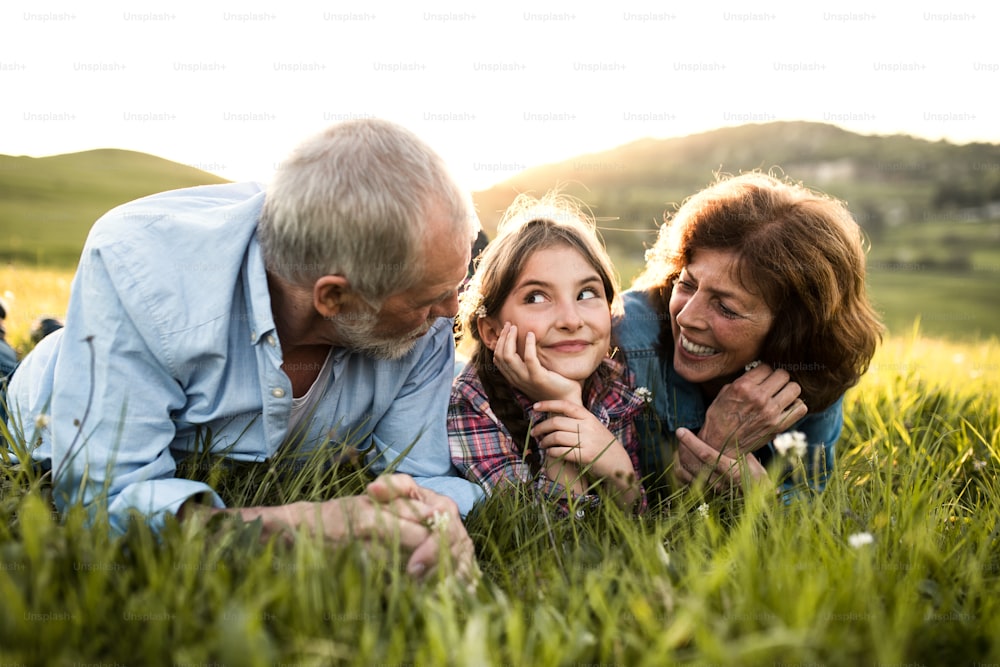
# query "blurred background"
(631, 107)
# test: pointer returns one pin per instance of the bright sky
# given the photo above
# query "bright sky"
(495, 88)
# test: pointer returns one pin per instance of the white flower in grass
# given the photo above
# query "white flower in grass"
(703, 510)
(41, 421)
(439, 522)
(858, 540)
(645, 395)
(792, 443)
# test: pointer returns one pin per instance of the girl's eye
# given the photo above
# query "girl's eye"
(535, 297)
(588, 293)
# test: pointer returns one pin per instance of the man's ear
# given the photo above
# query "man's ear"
(330, 295)
(489, 331)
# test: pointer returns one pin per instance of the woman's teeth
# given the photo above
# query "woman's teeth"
(697, 350)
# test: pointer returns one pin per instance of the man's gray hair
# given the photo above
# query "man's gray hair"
(354, 200)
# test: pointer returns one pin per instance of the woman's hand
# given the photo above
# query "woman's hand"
(527, 374)
(751, 410)
(723, 472)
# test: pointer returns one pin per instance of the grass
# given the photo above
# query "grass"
(697, 581)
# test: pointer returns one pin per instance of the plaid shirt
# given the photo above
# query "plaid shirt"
(483, 450)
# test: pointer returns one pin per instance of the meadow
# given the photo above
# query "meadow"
(897, 562)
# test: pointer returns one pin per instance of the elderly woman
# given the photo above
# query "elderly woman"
(750, 320)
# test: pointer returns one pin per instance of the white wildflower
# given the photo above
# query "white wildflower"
(439, 522)
(41, 421)
(481, 311)
(978, 464)
(858, 540)
(703, 510)
(645, 395)
(792, 443)
(664, 556)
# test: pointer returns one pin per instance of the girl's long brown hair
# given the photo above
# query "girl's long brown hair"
(527, 226)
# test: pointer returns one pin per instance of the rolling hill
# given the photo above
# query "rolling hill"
(930, 209)
(886, 180)
(48, 204)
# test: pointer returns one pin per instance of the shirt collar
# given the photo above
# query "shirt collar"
(256, 294)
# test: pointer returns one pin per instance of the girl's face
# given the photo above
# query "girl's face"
(560, 297)
(719, 326)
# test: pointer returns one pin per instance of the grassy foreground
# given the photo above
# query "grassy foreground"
(699, 581)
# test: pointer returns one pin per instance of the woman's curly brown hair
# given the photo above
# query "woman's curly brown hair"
(803, 252)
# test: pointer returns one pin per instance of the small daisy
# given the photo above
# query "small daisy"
(858, 540)
(645, 395)
(703, 510)
(439, 522)
(481, 311)
(42, 421)
(792, 443)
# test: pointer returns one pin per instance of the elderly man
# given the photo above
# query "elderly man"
(318, 307)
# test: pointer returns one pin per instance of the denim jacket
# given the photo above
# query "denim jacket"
(677, 402)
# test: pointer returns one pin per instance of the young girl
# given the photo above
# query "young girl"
(541, 401)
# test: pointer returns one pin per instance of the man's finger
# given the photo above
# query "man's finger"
(387, 488)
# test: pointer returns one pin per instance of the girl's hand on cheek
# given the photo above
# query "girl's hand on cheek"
(527, 374)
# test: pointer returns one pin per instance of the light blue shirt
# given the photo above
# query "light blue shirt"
(677, 402)
(169, 332)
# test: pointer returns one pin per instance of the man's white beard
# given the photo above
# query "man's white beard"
(358, 333)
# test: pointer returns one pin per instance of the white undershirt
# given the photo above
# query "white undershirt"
(302, 407)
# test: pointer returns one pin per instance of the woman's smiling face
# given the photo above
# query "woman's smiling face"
(719, 326)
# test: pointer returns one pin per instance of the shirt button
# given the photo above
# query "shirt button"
(278, 392)
(253, 336)
(271, 340)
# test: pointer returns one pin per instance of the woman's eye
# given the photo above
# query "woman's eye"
(728, 313)
(588, 293)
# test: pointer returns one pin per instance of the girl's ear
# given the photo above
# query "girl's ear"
(489, 331)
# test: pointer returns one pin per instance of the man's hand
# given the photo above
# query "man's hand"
(751, 410)
(443, 523)
(394, 510)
